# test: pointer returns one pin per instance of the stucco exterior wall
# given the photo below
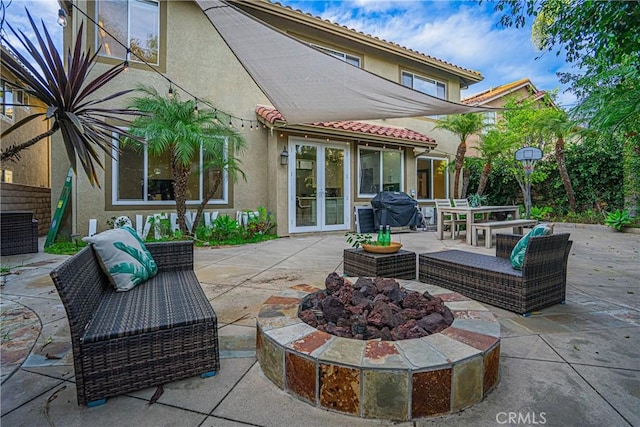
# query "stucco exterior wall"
(199, 61)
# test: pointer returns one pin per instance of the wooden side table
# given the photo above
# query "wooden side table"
(400, 265)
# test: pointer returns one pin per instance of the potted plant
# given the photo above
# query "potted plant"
(476, 200)
(358, 239)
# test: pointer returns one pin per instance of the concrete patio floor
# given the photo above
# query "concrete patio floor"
(576, 364)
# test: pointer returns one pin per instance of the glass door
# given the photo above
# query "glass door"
(318, 187)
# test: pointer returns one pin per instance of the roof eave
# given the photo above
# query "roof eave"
(323, 132)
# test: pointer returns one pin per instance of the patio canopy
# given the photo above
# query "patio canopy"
(307, 85)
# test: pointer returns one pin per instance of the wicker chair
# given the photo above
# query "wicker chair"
(160, 331)
(541, 283)
(19, 233)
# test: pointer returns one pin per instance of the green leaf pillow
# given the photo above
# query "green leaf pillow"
(517, 254)
(123, 257)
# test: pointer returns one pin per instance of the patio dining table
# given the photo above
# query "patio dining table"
(471, 212)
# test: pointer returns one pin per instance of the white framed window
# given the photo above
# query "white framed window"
(432, 179)
(142, 178)
(379, 169)
(350, 59)
(424, 84)
(134, 23)
(489, 120)
(7, 100)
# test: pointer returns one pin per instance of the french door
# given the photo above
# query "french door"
(319, 187)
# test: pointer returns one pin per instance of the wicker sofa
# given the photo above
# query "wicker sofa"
(160, 331)
(541, 282)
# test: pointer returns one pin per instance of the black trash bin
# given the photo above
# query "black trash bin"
(396, 209)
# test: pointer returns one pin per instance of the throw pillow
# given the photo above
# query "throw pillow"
(517, 254)
(123, 257)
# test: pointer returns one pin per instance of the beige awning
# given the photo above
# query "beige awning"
(307, 85)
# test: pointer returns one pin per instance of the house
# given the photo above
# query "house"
(26, 181)
(310, 175)
(497, 97)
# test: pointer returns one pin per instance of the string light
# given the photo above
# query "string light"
(125, 66)
(195, 108)
(62, 18)
(242, 125)
(170, 90)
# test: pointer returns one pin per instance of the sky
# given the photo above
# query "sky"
(462, 32)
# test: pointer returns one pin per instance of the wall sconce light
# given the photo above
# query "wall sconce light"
(62, 18)
(284, 156)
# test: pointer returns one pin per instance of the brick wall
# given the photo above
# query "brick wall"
(17, 197)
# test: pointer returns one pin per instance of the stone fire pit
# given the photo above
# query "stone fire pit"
(402, 380)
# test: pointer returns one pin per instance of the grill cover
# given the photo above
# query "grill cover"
(395, 209)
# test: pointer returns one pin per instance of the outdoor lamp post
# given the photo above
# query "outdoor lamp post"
(528, 156)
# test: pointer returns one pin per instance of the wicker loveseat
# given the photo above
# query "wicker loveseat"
(541, 283)
(160, 331)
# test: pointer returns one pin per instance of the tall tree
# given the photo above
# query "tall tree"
(463, 125)
(492, 144)
(70, 98)
(556, 124)
(181, 129)
(519, 127)
(602, 38)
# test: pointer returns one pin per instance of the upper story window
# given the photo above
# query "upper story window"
(6, 99)
(424, 84)
(489, 120)
(350, 59)
(379, 170)
(134, 23)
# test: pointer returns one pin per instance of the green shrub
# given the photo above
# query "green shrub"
(540, 213)
(224, 228)
(261, 224)
(617, 219)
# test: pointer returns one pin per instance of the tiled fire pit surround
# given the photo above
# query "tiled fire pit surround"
(396, 380)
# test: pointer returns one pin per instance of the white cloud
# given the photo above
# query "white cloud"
(463, 33)
(41, 11)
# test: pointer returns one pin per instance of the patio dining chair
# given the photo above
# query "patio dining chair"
(460, 219)
(447, 219)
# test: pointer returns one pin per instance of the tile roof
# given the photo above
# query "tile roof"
(496, 92)
(428, 57)
(273, 116)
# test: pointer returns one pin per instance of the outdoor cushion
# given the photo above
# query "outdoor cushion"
(517, 254)
(123, 257)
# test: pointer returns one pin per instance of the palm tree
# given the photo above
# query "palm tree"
(180, 128)
(492, 144)
(69, 97)
(556, 123)
(463, 125)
